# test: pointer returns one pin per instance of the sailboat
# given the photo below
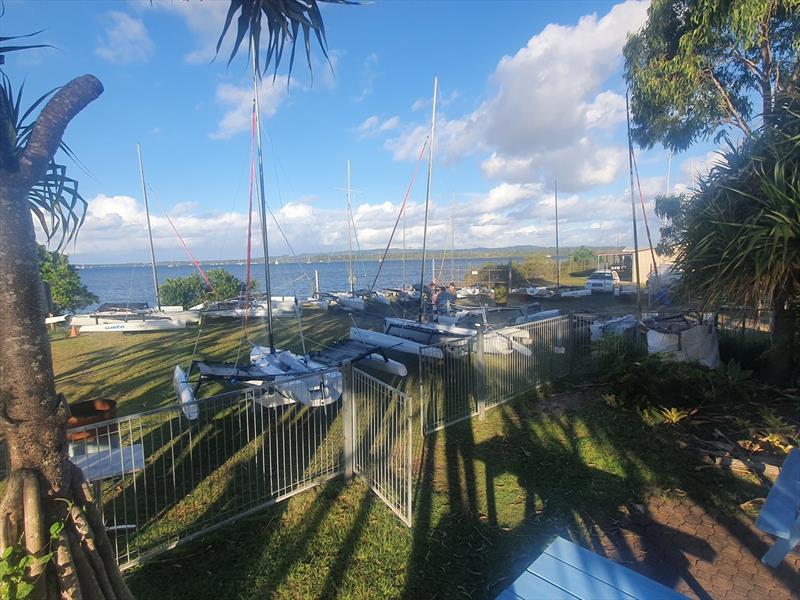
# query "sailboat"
(313, 379)
(137, 317)
(412, 336)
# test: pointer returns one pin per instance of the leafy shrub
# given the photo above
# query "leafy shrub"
(653, 381)
(746, 349)
(191, 290)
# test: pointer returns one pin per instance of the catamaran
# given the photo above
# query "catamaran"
(414, 335)
(284, 377)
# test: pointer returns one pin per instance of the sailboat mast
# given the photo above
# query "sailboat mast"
(452, 243)
(427, 203)
(263, 205)
(403, 284)
(558, 265)
(633, 211)
(351, 278)
(149, 229)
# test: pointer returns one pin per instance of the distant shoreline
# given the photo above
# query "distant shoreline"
(371, 255)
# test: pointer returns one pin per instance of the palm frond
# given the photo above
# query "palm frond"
(16, 48)
(284, 18)
(54, 200)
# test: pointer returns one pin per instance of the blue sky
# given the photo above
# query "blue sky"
(528, 92)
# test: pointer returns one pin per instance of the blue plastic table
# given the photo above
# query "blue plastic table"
(566, 570)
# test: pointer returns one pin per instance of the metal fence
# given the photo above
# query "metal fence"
(382, 440)
(168, 475)
(459, 380)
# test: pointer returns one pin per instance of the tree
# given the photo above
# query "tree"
(44, 487)
(192, 290)
(66, 289)
(585, 257)
(738, 236)
(701, 65)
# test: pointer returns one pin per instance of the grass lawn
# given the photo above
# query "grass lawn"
(489, 495)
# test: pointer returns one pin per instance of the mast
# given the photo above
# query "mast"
(633, 210)
(351, 278)
(427, 203)
(452, 243)
(403, 284)
(262, 206)
(149, 229)
(558, 265)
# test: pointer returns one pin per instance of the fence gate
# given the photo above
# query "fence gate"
(381, 440)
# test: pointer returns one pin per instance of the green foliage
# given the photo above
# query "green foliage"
(54, 199)
(775, 431)
(283, 19)
(698, 65)
(653, 381)
(192, 290)
(738, 236)
(66, 289)
(673, 416)
(16, 564)
(585, 257)
(744, 348)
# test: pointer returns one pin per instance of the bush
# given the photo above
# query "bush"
(744, 348)
(655, 382)
(192, 290)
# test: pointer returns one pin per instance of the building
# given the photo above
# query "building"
(624, 261)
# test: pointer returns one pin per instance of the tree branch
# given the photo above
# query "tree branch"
(729, 103)
(51, 123)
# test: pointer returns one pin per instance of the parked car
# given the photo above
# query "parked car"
(603, 282)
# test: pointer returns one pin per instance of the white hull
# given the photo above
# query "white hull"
(296, 378)
(141, 325)
(540, 316)
(348, 302)
(391, 342)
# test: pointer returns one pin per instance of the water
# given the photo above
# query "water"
(135, 283)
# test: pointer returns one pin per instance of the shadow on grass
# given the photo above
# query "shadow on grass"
(493, 495)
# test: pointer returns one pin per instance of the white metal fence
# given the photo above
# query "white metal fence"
(459, 380)
(170, 474)
(382, 441)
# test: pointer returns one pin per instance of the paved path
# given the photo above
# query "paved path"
(698, 554)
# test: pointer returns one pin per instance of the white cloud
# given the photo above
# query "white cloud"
(205, 20)
(547, 110)
(239, 103)
(373, 125)
(125, 40)
(369, 73)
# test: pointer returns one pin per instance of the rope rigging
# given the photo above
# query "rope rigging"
(401, 213)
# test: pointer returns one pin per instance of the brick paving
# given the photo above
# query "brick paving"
(701, 555)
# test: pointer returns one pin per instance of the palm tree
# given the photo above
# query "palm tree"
(47, 512)
(738, 236)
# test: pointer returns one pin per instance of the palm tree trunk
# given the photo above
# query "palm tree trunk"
(32, 415)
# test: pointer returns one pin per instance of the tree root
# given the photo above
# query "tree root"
(83, 562)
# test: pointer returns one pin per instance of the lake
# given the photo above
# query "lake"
(134, 283)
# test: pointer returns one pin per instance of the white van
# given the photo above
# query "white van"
(603, 282)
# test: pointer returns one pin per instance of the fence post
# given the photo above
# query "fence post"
(480, 364)
(348, 419)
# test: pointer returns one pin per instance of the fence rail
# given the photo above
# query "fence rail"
(170, 474)
(462, 379)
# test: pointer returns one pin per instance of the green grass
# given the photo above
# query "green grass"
(489, 495)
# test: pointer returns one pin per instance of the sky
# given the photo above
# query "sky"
(530, 96)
